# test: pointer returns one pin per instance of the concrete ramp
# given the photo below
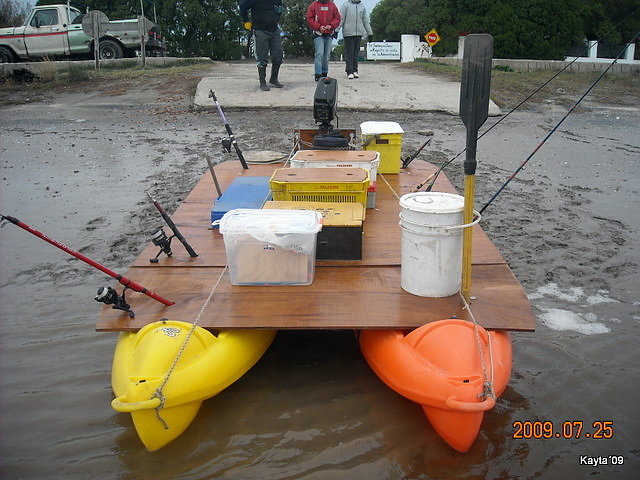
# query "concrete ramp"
(381, 86)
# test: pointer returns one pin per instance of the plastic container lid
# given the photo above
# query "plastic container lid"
(432, 202)
(380, 128)
(244, 220)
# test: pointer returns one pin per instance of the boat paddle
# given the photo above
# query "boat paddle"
(229, 131)
(105, 295)
(160, 238)
(474, 110)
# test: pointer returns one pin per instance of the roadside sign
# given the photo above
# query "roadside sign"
(97, 19)
(432, 37)
(383, 50)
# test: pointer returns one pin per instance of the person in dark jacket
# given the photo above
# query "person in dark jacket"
(265, 15)
(323, 18)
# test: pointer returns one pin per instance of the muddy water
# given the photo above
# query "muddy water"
(568, 225)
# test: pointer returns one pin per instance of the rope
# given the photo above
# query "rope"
(390, 187)
(488, 381)
(158, 393)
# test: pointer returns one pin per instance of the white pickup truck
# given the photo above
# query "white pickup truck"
(56, 31)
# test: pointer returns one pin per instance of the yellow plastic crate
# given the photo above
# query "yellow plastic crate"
(336, 185)
(386, 139)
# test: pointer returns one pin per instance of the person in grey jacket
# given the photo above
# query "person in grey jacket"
(354, 23)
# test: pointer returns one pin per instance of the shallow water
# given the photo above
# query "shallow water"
(312, 408)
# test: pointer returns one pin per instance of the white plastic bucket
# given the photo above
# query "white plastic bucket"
(432, 225)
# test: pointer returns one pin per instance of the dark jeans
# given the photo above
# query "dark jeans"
(268, 42)
(351, 50)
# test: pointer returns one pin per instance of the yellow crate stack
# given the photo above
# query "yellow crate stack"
(338, 185)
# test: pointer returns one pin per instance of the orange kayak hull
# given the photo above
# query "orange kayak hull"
(443, 366)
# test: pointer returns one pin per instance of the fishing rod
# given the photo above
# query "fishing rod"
(232, 138)
(433, 177)
(105, 295)
(213, 174)
(411, 158)
(553, 130)
(160, 238)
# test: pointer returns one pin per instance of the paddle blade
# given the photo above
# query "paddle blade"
(476, 80)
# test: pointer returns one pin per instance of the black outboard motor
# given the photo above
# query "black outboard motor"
(324, 111)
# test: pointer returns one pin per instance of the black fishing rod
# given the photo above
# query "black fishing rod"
(213, 175)
(160, 238)
(105, 295)
(433, 177)
(553, 130)
(411, 158)
(232, 138)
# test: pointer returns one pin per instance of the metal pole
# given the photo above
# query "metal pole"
(142, 31)
(95, 25)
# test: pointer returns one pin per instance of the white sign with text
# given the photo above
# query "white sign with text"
(383, 51)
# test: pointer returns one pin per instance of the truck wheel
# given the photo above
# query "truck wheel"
(6, 55)
(109, 50)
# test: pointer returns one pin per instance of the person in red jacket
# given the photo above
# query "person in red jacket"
(323, 17)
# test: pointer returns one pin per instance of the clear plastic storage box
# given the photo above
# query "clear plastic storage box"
(271, 247)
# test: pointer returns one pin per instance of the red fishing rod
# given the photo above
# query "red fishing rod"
(105, 294)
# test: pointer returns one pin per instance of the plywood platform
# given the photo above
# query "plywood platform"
(344, 295)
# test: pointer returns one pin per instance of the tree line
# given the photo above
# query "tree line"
(536, 29)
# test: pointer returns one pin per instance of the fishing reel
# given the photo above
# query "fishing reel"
(226, 145)
(109, 296)
(160, 239)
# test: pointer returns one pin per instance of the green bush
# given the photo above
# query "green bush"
(77, 74)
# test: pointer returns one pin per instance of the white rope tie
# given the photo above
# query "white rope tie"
(158, 393)
(390, 187)
(488, 381)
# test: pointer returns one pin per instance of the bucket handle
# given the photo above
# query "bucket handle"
(476, 220)
(121, 404)
(470, 407)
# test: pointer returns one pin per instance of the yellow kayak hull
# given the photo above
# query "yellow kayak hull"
(162, 373)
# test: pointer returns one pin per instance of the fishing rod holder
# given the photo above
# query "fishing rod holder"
(109, 296)
(160, 239)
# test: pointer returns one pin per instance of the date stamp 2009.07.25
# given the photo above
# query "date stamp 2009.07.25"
(571, 429)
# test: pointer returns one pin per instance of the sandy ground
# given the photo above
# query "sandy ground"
(76, 166)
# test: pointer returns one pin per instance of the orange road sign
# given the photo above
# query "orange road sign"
(432, 37)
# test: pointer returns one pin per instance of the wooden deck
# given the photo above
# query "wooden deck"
(344, 295)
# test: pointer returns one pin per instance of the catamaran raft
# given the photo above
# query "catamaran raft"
(333, 239)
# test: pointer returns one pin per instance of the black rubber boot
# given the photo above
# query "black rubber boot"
(275, 68)
(262, 75)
